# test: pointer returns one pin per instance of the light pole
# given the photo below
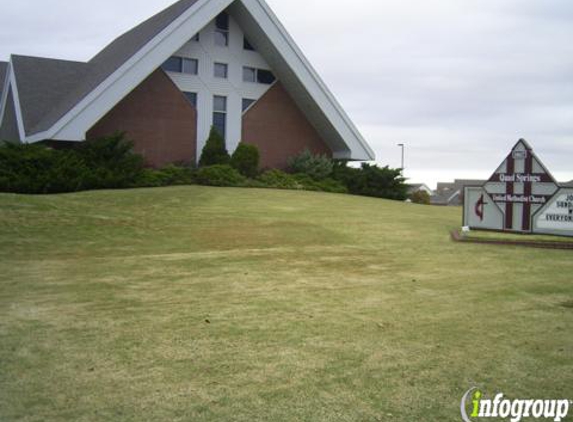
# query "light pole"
(402, 146)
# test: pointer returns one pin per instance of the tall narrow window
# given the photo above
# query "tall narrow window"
(222, 30)
(220, 114)
(221, 70)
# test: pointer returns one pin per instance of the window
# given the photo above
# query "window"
(222, 30)
(249, 74)
(181, 65)
(265, 77)
(247, 102)
(221, 70)
(220, 114)
(192, 97)
(247, 45)
(261, 76)
(190, 66)
(172, 64)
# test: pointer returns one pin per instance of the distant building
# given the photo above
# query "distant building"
(452, 194)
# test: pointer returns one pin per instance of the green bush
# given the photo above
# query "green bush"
(318, 167)
(325, 185)
(245, 159)
(420, 197)
(220, 175)
(214, 152)
(37, 169)
(279, 180)
(111, 161)
(371, 180)
(168, 176)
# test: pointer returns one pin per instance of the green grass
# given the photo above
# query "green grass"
(206, 304)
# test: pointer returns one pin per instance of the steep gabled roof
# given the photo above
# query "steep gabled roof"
(43, 84)
(3, 70)
(110, 59)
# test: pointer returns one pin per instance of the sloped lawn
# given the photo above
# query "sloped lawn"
(207, 304)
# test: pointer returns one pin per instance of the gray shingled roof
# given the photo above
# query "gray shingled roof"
(43, 84)
(3, 69)
(50, 106)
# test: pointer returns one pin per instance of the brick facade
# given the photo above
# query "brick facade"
(158, 118)
(279, 129)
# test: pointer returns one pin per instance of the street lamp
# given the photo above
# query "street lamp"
(402, 146)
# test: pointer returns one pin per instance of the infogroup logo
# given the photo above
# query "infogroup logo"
(474, 407)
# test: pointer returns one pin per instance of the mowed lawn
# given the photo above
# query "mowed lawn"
(215, 304)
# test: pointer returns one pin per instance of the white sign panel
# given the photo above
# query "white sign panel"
(557, 216)
(480, 211)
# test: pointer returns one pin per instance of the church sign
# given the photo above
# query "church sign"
(521, 196)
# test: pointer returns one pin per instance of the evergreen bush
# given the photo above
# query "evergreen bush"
(214, 152)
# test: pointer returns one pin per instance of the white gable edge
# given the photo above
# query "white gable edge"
(10, 85)
(5, 88)
(74, 124)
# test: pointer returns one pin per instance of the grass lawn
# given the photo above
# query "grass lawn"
(207, 304)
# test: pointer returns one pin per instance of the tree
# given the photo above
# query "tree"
(214, 152)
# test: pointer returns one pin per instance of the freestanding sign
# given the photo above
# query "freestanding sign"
(521, 196)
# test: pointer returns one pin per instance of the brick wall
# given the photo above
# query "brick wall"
(279, 129)
(157, 117)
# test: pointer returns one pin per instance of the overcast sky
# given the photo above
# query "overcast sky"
(459, 82)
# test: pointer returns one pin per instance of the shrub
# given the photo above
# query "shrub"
(111, 161)
(279, 180)
(325, 185)
(37, 169)
(371, 180)
(214, 152)
(245, 159)
(167, 176)
(420, 197)
(220, 175)
(318, 167)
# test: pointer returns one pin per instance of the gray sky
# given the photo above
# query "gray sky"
(459, 82)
